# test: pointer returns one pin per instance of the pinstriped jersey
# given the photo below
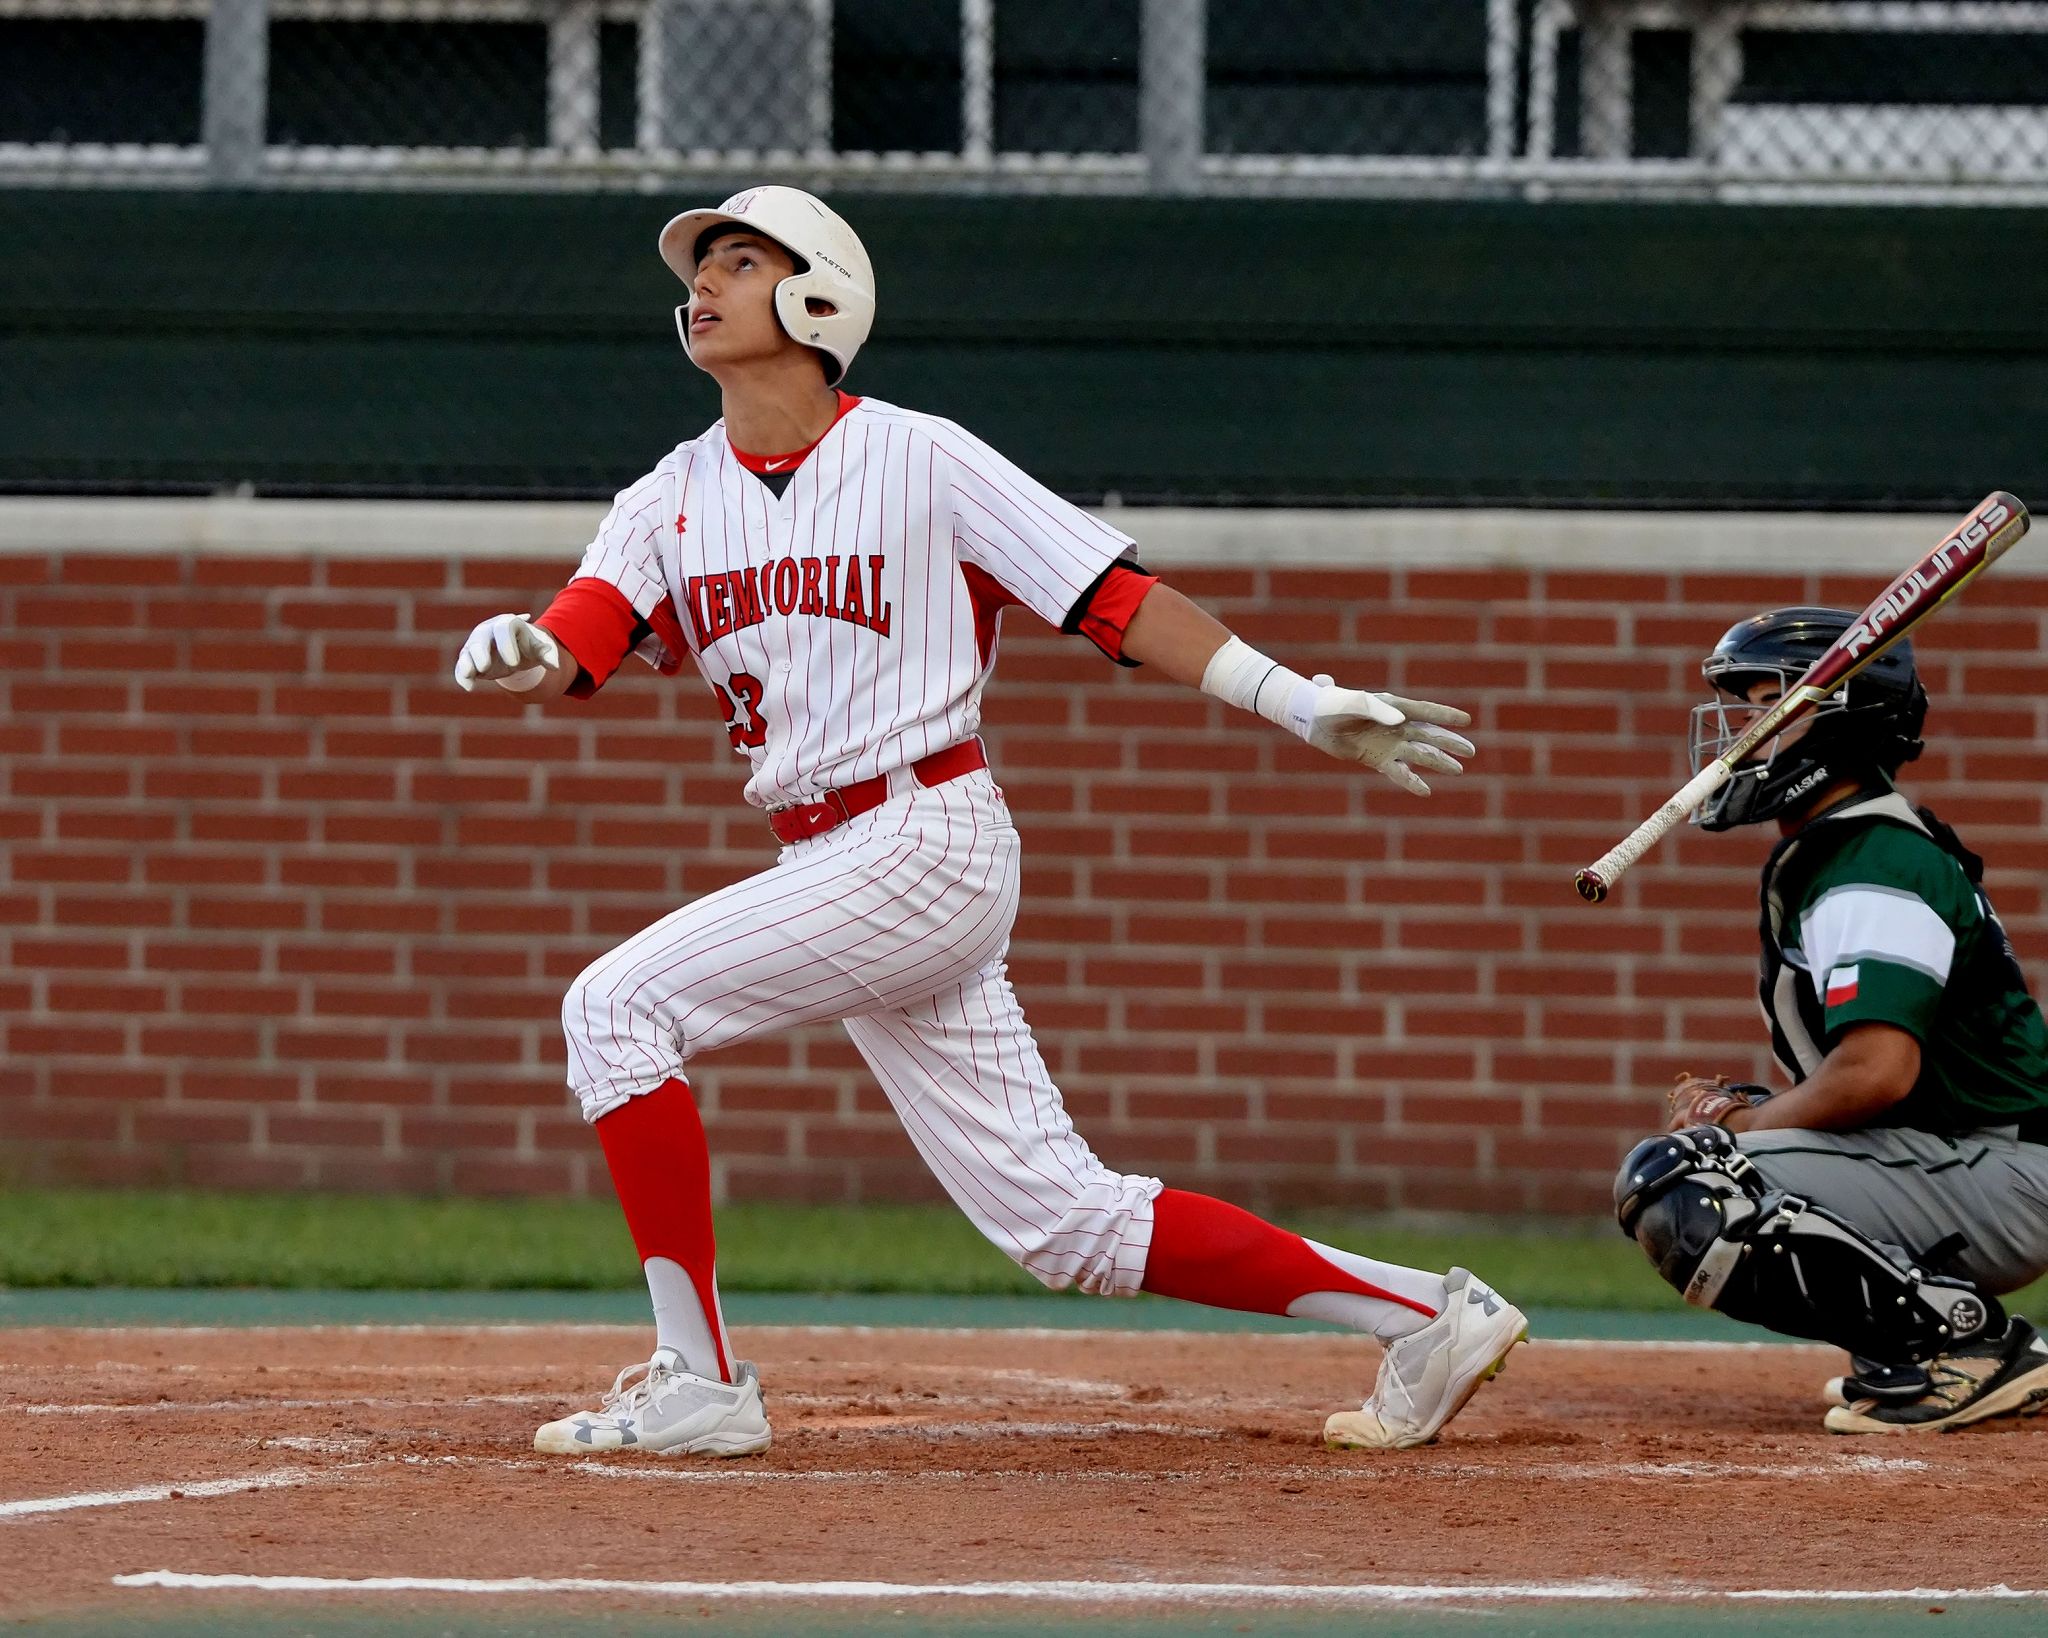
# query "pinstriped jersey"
(848, 625)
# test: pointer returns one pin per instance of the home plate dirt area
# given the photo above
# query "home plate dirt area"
(1039, 1468)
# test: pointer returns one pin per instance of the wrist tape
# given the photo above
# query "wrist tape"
(1240, 675)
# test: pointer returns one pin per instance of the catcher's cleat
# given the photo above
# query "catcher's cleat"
(1425, 1379)
(661, 1408)
(1993, 1376)
(1867, 1379)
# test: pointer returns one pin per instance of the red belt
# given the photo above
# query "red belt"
(803, 820)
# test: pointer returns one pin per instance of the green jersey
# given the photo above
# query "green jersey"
(1876, 913)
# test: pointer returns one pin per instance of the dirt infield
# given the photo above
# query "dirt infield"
(921, 1457)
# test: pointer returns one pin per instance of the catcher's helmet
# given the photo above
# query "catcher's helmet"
(831, 266)
(1866, 731)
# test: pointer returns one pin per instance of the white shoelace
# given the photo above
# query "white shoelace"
(641, 1391)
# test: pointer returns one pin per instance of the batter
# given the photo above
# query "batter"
(837, 568)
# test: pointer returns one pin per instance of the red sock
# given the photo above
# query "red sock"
(661, 1168)
(1209, 1251)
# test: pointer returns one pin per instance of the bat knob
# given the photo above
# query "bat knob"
(1591, 888)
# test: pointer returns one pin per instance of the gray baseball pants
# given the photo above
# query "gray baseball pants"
(1912, 1190)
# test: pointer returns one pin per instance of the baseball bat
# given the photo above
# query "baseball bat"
(1972, 546)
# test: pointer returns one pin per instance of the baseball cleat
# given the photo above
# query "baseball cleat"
(1867, 1379)
(1994, 1376)
(661, 1408)
(1425, 1379)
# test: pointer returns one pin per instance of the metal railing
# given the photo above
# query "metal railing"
(1532, 97)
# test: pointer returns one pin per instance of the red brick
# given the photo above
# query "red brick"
(337, 785)
(265, 913)
(187, 869)
(215, 1042)
(119, 569)
(123, 996)
(1469, 585)
(190, 613)
(255, 573)
(112, 910)
(68, 1039)
(330, 1127)
(272, 743)
(60, 781)
(208, 956)
(193, 782)
(332, 870)
(178, 1124)
(74, 611)
(31, 697)
(395, 1091)
(383, 914)
(121, 825)
(331, 614)
(185, 698)
(381, 829)
(74, 866)
(350, 657)
(384, 744)
(75, 954)
(398, 574)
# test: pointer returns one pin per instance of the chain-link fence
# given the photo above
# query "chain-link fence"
(1935, 99)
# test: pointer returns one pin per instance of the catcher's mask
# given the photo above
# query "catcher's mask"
(1866, 731)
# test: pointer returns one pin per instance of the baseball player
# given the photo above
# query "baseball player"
(837, 569)
(1886, 1199)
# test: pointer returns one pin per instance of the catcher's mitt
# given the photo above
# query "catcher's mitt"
(1702, 1100)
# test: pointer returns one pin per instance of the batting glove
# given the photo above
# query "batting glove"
(509, 650)
(1392, 735)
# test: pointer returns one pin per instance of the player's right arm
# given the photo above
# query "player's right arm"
(617, 604)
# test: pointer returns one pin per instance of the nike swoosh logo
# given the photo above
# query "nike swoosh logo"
(770, 466)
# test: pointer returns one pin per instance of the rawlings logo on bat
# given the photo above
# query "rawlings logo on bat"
(1898, 605)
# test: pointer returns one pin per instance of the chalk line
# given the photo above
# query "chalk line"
(155, 1493)
(1074, 1592)
(215, 1406)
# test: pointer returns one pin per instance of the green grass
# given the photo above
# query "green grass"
(97, 1237)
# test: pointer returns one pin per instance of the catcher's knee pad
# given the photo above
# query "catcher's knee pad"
(1725, 1240)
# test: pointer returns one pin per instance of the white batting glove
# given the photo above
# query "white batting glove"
(1383, 731)
(1392, 735)
(509, 650)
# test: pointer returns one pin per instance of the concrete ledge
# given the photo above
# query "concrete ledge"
(1875, 544)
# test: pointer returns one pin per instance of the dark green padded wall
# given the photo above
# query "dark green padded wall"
(1263, 351)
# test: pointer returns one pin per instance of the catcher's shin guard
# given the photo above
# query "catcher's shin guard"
(1717, 1232)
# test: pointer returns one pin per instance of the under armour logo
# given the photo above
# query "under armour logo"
(680, 521)
(1485, 1298)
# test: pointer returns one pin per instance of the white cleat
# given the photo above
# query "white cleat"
(1426, 1378)
(662, 1408)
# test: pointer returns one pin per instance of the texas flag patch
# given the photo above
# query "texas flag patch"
(1842, 985)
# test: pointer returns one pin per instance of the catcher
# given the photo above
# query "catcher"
(1886, 1200)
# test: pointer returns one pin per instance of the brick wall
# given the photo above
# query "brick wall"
(282, 908)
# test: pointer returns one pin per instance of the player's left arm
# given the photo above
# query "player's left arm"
(1394, 735)
(1870, 1068)
(1879, 951)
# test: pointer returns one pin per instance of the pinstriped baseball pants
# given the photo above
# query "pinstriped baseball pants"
(895, 923)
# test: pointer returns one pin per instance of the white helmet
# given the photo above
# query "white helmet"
(831, 266)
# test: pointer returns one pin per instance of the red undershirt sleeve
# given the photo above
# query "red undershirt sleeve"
(1105, 610)
(593, 620)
